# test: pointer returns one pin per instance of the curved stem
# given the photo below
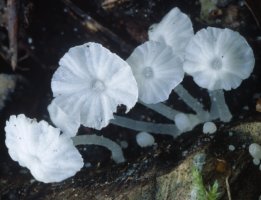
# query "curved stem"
(116, 151)
(162, 109)
(192, 102)
(168, 129)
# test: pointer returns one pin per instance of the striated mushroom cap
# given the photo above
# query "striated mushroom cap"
(175, 30)
(157, 71)
(91, 82)
(68, 125)
(51, 157)
(218, 59)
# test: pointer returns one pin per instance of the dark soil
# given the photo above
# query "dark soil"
(54, 27)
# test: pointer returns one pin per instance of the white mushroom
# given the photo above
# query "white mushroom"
(51, 157)
(182, 122)
(175, 30)
(218, 59)
(91, 82)
(145, 139)
(157, 71)
(209, 128)
(255, 150)
(65, 122)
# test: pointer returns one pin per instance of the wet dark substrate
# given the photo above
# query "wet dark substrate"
(54, 28)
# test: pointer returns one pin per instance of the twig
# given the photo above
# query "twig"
(12, 27)
(228, 189)
(110, 4)
(247, 3)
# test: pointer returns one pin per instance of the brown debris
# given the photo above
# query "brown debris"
(231, 18)
(110, 4)
(140, 35)
(221, 166)
(258, 105)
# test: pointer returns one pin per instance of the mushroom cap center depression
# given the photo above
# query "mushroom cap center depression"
(216, 63)
(148, 72)
(98, 85)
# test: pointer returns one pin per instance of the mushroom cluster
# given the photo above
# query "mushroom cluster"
(91, 82)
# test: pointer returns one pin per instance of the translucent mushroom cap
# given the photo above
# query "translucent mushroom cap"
(175, 30)
(157, 71)
(51, 157)
(91, 82)
(255, 150)
(65, 122)
(218, 59)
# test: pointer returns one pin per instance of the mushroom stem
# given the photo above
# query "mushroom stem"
(192, 102)
(162, 109)
(116, 151)
(171, 114)
(219, 108)
(167, 129)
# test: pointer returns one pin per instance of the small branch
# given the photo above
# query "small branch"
(228, 189)
(110, 4)
(168, 129)
(116, 151)
(256, 15)
(12, 27)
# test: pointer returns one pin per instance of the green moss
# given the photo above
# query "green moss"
(202, 193)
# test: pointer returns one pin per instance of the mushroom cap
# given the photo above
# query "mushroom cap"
(68, 125)
(209, 127)
(157, 71)
(218, 59)
(145, 139)
(91, 82)
(51, 157)
(182, 122)
(175, 30)
(255, 150)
